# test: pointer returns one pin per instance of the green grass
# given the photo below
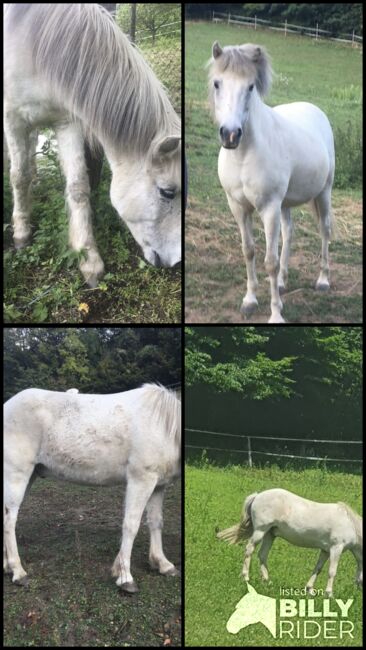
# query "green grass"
(42, 282)
(330, 76)
(213, 585)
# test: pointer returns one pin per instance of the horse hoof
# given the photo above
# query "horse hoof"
(172, 572)
(20, 243)
(322, 286)
(130, 587)
(248, 309)
(22, 582)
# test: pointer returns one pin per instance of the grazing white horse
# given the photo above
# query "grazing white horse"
(70, 67)
(332, 527)
(271, 160)
(132, 437)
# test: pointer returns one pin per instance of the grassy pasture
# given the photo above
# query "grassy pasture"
(213, 586)
(328, 75)
(68, 537)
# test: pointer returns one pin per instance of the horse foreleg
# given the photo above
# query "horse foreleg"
(358, 557)
(271, 221)
(265, 548)
(72, 155)
(324, 555)
(17, 139)
(243, 217)
(286, 229)
(138, 492)
(334, 555)
(254, 540)
(154, 511)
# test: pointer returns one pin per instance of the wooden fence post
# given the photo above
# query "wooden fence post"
(250, 462)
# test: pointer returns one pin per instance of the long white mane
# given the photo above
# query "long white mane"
(94, 69)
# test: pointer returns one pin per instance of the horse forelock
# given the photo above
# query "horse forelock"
(99, 75)
(166, 409)
(245, 61)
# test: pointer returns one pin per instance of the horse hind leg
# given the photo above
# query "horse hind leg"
(322, 204)
(253, 542)
(154, 511)
(265, 548)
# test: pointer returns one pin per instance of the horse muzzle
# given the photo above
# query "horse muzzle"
(230, 138)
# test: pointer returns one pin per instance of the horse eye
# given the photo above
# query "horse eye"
(167, 194)
(216, 84)
(251, 87)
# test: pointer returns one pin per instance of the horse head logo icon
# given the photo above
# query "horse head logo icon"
(253, 608)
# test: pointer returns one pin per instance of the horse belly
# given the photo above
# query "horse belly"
(306, 538)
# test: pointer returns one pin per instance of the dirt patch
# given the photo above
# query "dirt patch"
(216, 275)
(68, 537)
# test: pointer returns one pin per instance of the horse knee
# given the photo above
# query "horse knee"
(78, 191)
(272, 265)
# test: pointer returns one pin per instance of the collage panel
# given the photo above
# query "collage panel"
(273, 486)
(273, 134)
(92, 161)
(92, 487)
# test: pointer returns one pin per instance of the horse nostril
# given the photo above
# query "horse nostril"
(221, 131)
(240, 132)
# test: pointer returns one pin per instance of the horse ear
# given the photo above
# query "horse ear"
(216, 50)
(251, 589)
(256, 54)
(166, 146)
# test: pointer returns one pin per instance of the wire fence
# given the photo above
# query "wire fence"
(162, 49)
(287, 28)
(249, 447)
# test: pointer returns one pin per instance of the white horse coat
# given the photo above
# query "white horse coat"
(332, 527)
(131, 437)
(271, 160)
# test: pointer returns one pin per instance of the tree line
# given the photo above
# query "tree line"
(338, 18)
(296, 380)
(95, 360)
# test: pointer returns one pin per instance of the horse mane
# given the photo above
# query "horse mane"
(99, 76)
(166, 409)
(244, 60)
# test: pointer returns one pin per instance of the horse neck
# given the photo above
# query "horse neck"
(258, 122)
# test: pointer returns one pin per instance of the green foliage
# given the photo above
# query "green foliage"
(348, 143)
(42, 282)
(243, 370)
(257, 361)
(103, 360)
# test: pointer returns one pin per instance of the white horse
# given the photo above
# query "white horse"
(332, 527)
(271, 159)
(132, 437)
(70, 67)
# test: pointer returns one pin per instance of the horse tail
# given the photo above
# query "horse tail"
(242, 530)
